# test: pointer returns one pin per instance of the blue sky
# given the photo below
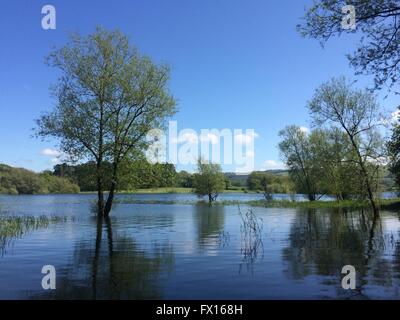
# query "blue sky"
(235, 64)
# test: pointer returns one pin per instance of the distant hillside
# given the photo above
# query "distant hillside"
(23, 181)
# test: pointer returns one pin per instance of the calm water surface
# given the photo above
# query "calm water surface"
(164, 251)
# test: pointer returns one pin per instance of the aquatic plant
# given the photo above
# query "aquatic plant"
(251, 237)
(14, 227)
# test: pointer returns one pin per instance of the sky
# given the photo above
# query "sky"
(235, 64)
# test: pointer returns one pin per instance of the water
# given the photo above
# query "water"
(181, 251)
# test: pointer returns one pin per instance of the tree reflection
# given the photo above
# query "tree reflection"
(113, 267)
(322, 242)
(210, 223)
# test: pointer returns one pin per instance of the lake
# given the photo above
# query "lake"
(186, 251)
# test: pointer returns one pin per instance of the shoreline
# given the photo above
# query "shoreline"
(385, 204)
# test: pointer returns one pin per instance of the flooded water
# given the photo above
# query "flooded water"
(185, 251)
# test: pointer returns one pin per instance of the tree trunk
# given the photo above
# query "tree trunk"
(371, 198)
(364, 171)
(210, 199)
(110, 199)
(99, 171)
(100, 195)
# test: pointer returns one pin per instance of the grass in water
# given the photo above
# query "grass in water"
(252, 247)
(14, 227)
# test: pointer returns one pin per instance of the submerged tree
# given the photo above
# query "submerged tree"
(296, 151)
(334, 163)
(356, 113)
(209, 181)
(109, 98)
(378, 20)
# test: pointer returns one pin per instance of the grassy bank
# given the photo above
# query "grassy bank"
(387, 204)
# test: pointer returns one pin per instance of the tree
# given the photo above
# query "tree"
(58, 185)
(266, 183)
(393, 146)
(185, 179)
(356, 113)
(165, 174)
(209, 180)
(109, 97)
(296, 152)
(378, 20)
(83, 174)
(254, 180)
(334, 163)
(275, 183)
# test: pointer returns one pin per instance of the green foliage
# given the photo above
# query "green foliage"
(322, 162)
(184, 179)
(209, 180)
(132, 175)
(84, 175)
(144, 175)
(268, 182)
(393, 146)
(356, 113)
(334, 163)
(54, 184)
(296, 149)
(237, 184)
(109, 98)
(22, 181)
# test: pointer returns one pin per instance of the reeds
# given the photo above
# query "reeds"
(14, 227)
(251, 228)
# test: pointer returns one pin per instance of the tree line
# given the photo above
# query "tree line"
(344, 155)
(208, 180)
(22, 181)
(132, 175)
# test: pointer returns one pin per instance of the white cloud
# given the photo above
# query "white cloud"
(304, 129)
(209, 137)
(48, 152)
(272, 165)
(246, 138)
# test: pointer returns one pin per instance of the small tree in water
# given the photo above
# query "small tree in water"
(109, 98)
(209, 181)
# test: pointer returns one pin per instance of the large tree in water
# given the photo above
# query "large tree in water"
(357, 114)
(108, 98)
